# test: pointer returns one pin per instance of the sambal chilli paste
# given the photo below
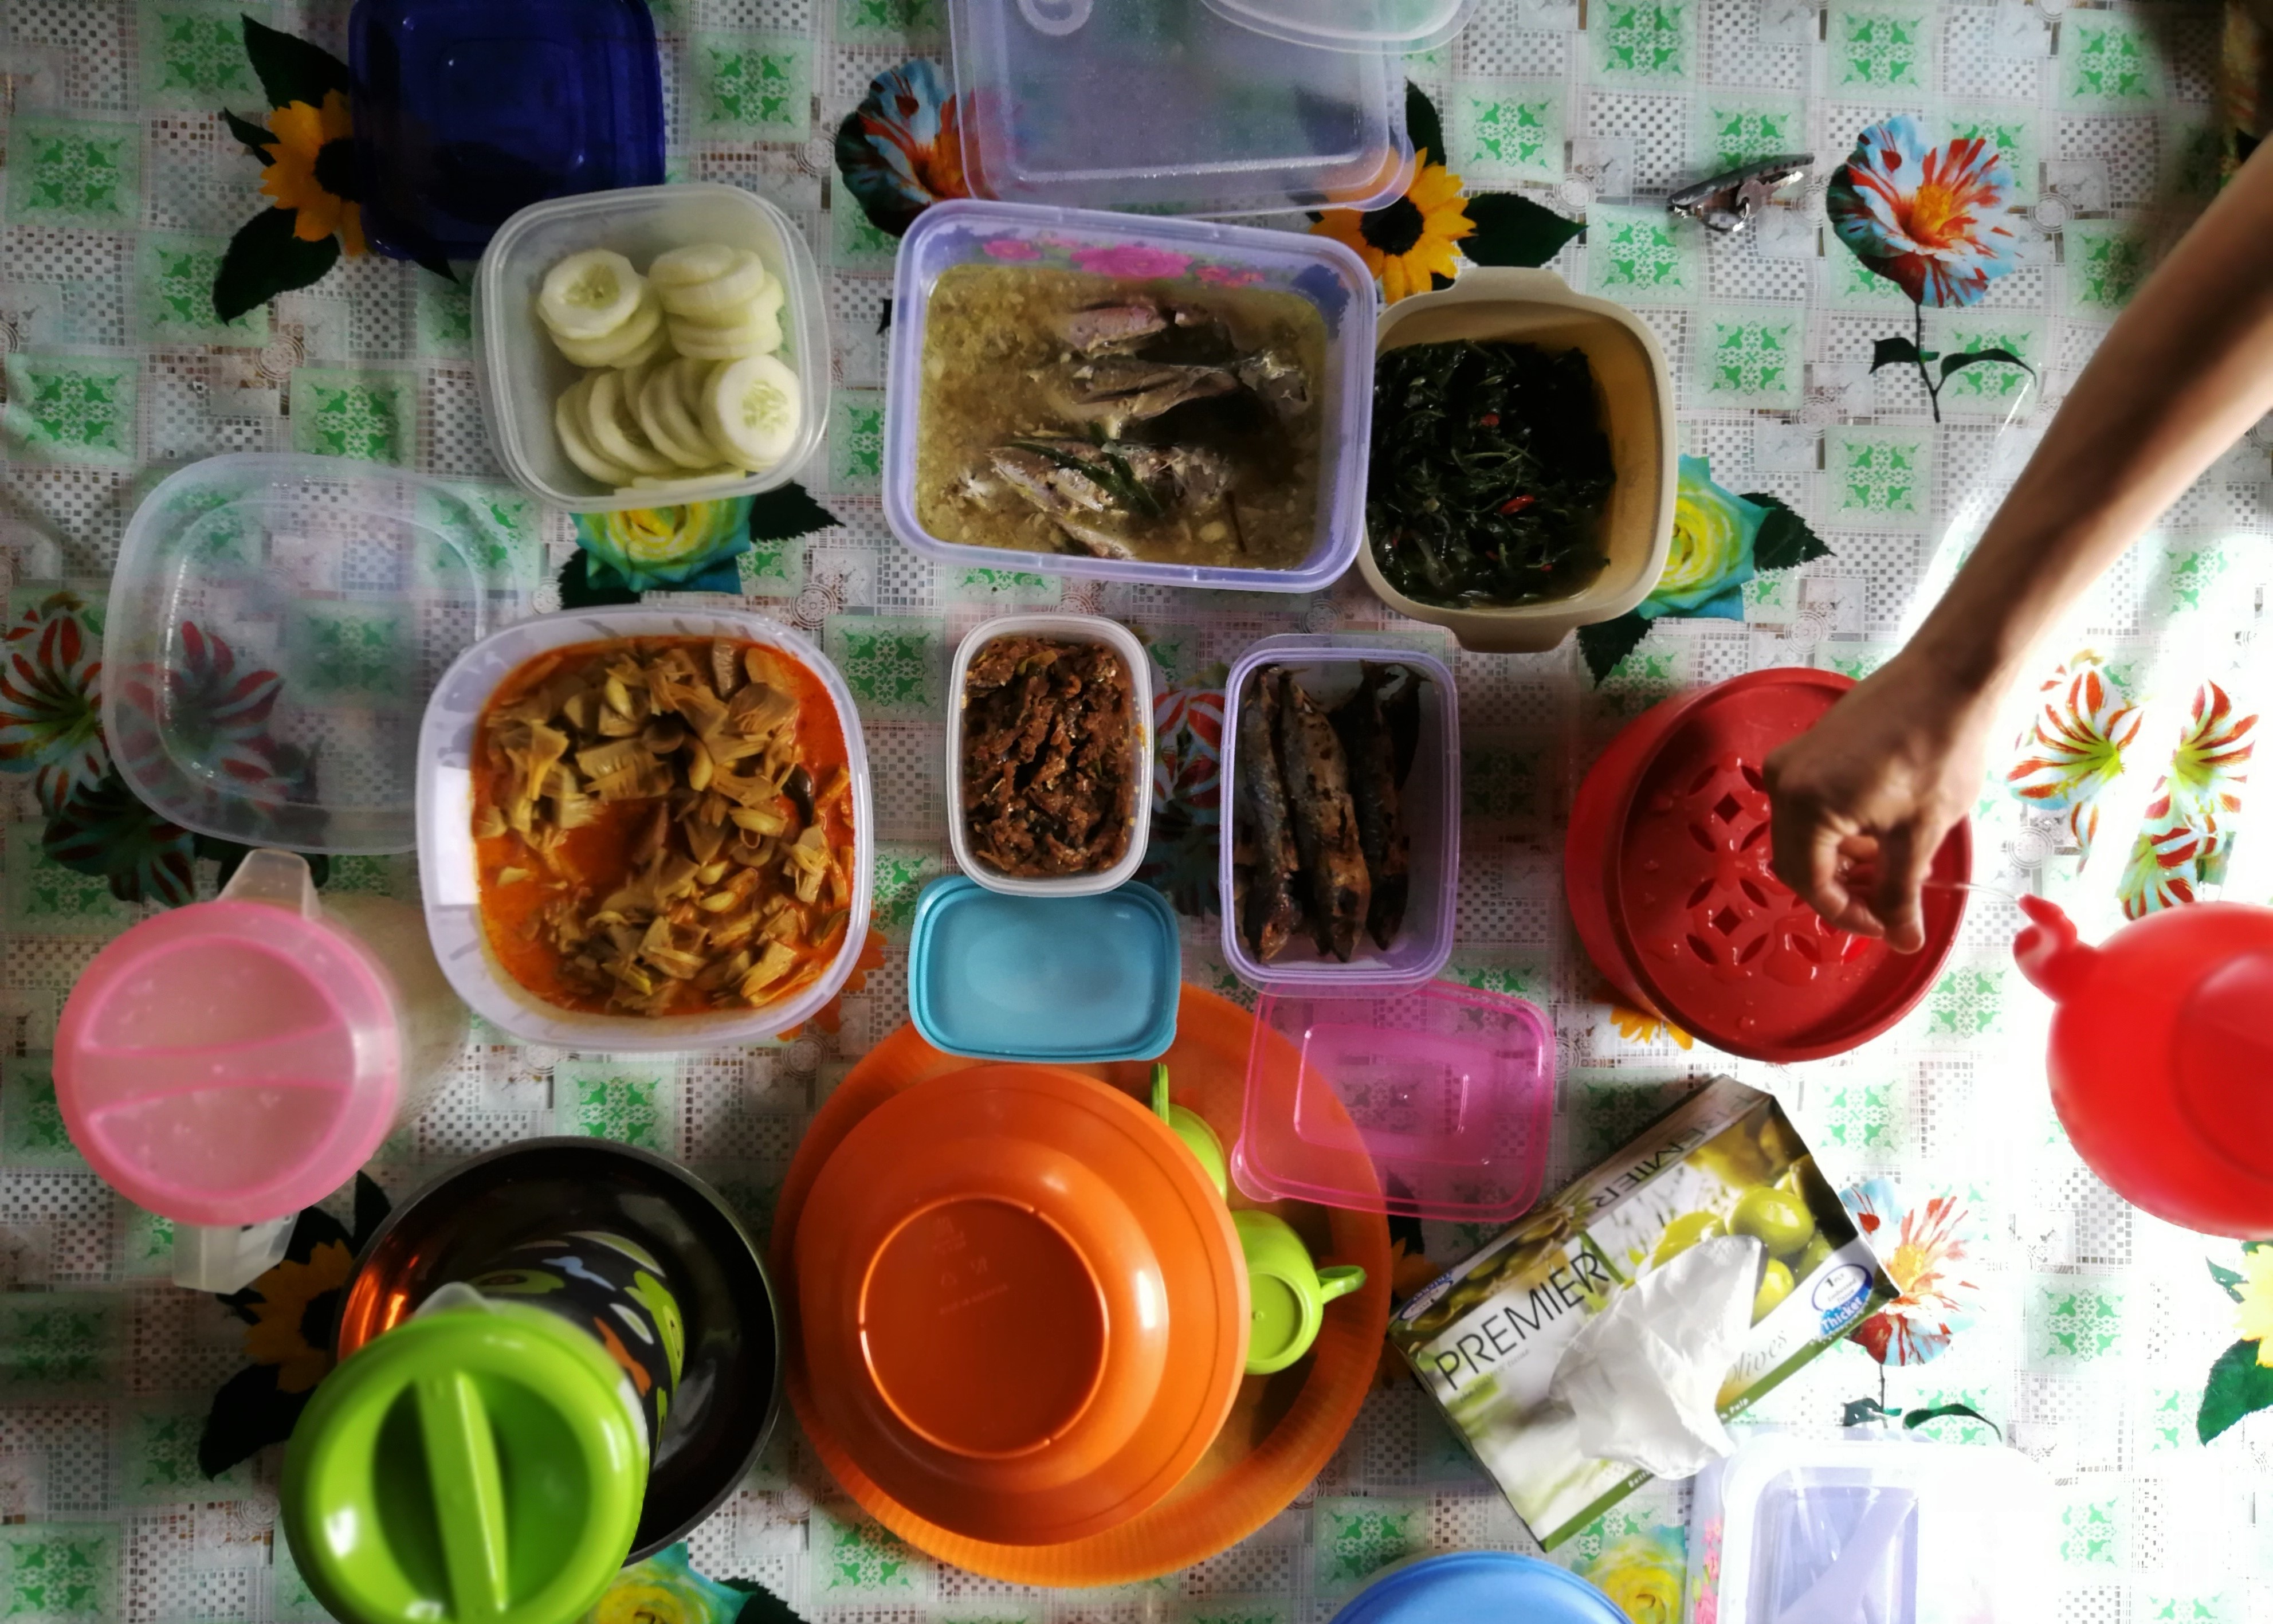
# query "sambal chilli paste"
(662, 826)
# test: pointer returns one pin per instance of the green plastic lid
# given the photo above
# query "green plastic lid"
(480, 1463)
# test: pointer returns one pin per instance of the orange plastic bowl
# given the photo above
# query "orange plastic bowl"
(1022, 1303)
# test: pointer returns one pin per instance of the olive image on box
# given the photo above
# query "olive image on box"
(1485, 1338)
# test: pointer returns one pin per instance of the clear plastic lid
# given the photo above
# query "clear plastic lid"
(276, 624)
(1353, 24)
(1895, 1531)
(1163, 107)
(1433, 1104)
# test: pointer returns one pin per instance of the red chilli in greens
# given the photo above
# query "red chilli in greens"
(1489, 471)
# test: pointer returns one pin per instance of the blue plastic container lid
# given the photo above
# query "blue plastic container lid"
(466, 114)
(1482, 1587)
(1053, 979)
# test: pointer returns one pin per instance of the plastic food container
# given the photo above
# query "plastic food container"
(275, 623)
(1431, 807)
(963, 232)
(227, 1064)
(464, 114)
(1051, 980)
(1434, 1104)
(1086, 629)
(1893, 1531)
(446, 869)
(1636, 393)
(465, 1221)
(1393, 26)
(523, 373)
(1474, 1586)
(1666, 867)
(1163, 107)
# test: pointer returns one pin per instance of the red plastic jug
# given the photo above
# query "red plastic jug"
(2162, 1057)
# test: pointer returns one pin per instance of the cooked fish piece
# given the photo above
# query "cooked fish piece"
(1095, 493)
(1326, 821)
(1276, 381)
(1104, 329)
(1364, 732)
(1268, 913)
(1115, 391)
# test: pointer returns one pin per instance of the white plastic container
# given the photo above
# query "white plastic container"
(522, 372)
(446, 869)
(1894, 1530)
(1430, 805)
(1067, 629)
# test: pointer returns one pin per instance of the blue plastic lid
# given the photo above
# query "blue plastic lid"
(466, 114)
(1056, 980)
(1470, 1586)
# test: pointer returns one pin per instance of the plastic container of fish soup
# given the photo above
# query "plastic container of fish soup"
(1329, 276)
(1326, 667)
(1063, 628)
(449, 874)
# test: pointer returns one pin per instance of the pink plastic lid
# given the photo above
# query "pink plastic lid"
(228, 1062)
(1432, 1103)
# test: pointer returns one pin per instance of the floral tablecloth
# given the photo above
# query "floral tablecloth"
(2122, 790)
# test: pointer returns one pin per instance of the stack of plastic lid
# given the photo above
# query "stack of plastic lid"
(1472, 1586)
(276, 624)
(1431, 1104)
(1168, 106)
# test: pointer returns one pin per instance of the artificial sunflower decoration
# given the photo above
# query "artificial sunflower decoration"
(289, 1315)
(1409, 244)
(307, 148)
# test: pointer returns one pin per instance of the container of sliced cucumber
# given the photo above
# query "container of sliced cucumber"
(650, 346)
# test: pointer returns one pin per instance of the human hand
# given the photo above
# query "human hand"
(1875, 786)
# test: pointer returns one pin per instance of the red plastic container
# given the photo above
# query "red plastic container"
(2161, 1061)
(1667, 870)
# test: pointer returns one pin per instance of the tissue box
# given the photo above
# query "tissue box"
(1485, 1339)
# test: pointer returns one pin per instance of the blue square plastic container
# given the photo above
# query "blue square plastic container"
(1047, 979)
(467, 111)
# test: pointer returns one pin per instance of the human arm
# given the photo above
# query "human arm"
(1889, 770)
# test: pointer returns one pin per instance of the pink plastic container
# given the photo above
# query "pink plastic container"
(1431, 803)
(1431, 1104)
(230, 1062)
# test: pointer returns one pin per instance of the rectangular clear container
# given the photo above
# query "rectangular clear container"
(1432, 807)
(522, 372)
(1329, 276)
(449, 877)
(1168, 106)
(1889, 1531)
(1065, 628)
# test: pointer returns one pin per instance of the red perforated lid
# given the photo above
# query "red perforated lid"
(1713, 939)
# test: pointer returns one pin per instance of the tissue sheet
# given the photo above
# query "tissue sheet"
(1644, 1376)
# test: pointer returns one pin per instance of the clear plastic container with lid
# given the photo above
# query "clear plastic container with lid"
(522, 372)
(1327, 667)
(1325, 272)
(1394, 26)
(1165, 107)
(1431, 1104)
(1795, 1530)
(227, 1064)
(275, 623)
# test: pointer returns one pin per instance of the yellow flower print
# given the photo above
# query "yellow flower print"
(2254, 1317)
(310, 143)
(1636, 1027)
(1407, 242)
(278, 1334)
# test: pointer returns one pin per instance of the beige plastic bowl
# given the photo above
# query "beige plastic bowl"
(1637, 396)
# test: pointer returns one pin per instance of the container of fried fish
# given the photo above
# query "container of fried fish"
(1341, 794)
(1049, 755)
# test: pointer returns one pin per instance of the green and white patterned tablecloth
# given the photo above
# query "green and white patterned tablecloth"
(2099, 1325)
